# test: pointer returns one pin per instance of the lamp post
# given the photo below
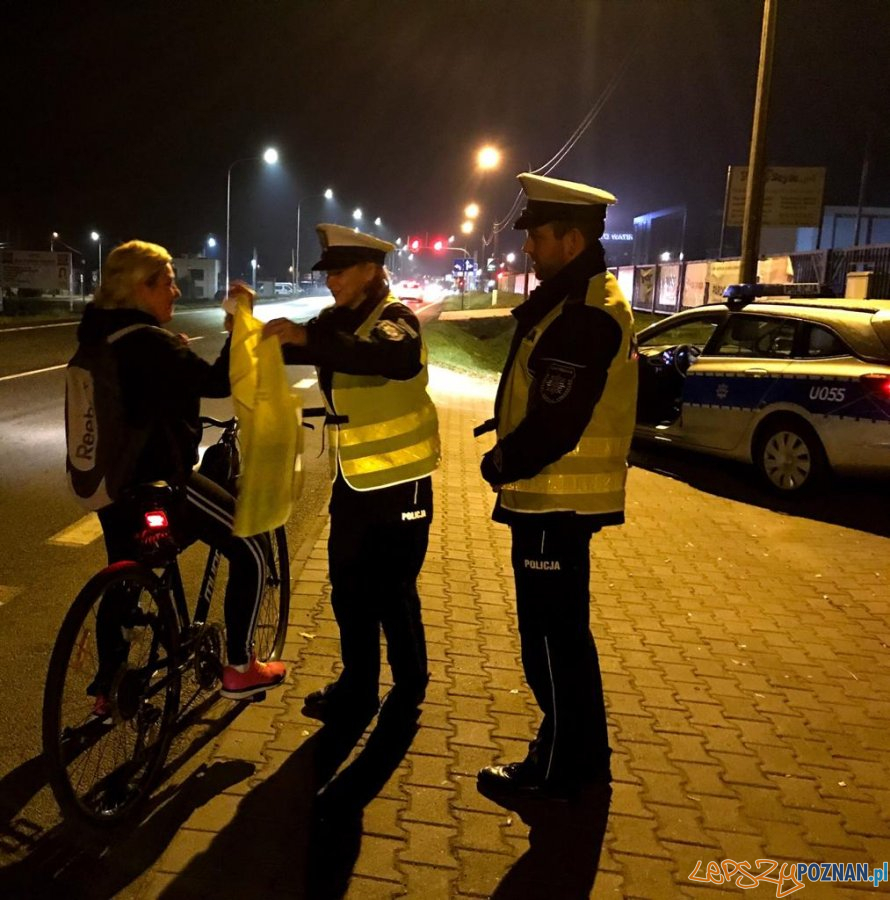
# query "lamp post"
(98, 239)
(52, 241)
(328, 195)
(270, 157)
(488, 158)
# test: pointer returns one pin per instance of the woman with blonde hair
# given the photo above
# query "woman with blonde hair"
(162, 382)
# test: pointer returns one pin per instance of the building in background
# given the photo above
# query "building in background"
(198, 277)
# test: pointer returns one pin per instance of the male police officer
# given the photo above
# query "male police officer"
(384, 444)
(564, 414)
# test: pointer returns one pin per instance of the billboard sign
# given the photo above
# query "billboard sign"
(792, 196)
(39, 270)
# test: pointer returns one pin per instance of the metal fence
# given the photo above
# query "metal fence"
(671, 286)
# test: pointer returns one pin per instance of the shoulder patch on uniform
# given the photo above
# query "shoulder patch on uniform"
(557, 382)
(391, 331)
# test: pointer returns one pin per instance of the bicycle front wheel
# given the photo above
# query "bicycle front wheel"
(271, 623)
(112, 695)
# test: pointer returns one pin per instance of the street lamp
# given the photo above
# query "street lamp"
(328, 195)
(488, 157)
(98, 239)
(471, 210)
(52, 240)
(270, 157)
(357, 214)
(466, 227)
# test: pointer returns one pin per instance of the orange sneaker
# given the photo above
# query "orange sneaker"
(259, 677)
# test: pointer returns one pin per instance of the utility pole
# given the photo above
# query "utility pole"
(863, 181)
(756, 162)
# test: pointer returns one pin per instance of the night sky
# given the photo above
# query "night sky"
(124, 116)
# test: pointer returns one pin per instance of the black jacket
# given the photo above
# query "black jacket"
(393, 350)
(162, 383)
(569, 366)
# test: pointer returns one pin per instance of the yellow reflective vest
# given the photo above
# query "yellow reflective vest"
(590, 479)
(392, 432)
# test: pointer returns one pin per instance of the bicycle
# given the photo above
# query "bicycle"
(103, 763)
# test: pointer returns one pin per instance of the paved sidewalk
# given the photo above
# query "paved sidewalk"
(747, 679)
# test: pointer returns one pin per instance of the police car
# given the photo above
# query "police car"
(796, 385)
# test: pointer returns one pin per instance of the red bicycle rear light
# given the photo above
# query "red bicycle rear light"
(877, 384)
(156, 520)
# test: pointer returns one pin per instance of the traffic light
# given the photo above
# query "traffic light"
(414, 244)
(439, 244)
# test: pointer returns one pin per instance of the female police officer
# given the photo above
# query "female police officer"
(383, 443)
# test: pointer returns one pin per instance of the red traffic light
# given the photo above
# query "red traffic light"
(414, 244)
(439, 244)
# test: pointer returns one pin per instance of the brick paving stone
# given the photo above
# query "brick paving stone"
(428, 882)
(724, 814)
(640, 729)
(482, 831)
(649, 880)
(248, 745)
(360, 888)
(740, 769)
(428, 770)
(381, 818)
(682, 825)
(518, 727)
(469, 760)
(736, 845)
(468, 797)
(705, 780)
(426, 804)
(377, 858)
(826, 830)
(428, 844)
(638, 837)
(608, 886)
(432, 741)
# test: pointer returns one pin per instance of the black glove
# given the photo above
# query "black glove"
(491, 466)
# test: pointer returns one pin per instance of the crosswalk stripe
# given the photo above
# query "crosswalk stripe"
(84, 531)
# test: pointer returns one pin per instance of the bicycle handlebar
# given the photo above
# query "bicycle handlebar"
(216, 423)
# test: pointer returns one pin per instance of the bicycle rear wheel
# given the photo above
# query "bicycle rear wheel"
(271, 623)
(108, 716)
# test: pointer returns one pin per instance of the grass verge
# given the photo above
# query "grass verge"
(479, 346)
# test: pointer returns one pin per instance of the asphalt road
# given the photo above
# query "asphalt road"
(40, 576)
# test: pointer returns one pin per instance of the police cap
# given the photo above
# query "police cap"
(551, 200)
(342, 247)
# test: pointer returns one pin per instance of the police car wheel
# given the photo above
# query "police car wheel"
(789, 455)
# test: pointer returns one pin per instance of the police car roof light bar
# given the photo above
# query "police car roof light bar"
(740, 295)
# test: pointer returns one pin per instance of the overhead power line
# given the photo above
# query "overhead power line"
(585, 123)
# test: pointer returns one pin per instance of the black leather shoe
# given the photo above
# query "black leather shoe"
(520, 781)
(334, 702)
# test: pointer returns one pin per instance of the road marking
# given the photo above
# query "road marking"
(32, 327)
(191, 340)
(7, 593)
(33, 372)
(84, 531)
(305, 383)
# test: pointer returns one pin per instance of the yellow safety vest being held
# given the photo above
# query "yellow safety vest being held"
(391, 432)
(591, 478)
